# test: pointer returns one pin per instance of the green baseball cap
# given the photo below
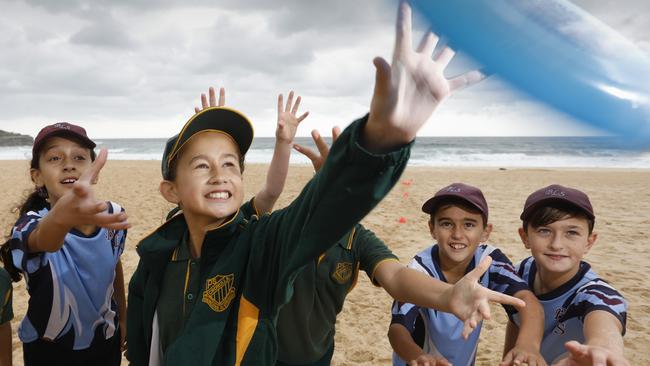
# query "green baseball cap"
(227, 120)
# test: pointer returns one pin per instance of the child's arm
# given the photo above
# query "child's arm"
(120, 297)
(466, 299)
(603, 342)
(526, 347)
(5, 344)
(76, 207)
(285, 131)
(403, 344)
(284, 134)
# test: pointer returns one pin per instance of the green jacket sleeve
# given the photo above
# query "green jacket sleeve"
(349, 186)
(138, 350)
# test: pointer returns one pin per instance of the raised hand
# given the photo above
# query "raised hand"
(587, 355)
(469, 300)
(409, 89)
(78, 206)
(287, 120)
(318, 158)
(212, 100)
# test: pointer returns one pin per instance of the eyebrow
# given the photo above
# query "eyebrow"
(205, 157)
(464, 219)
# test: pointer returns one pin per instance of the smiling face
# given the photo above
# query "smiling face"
(208, 184)
(60, 163)
(458, 232)
(558, 247)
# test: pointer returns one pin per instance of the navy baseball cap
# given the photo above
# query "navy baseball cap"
(470, 194)
(556, 193)
(229, 121)
(61, 129)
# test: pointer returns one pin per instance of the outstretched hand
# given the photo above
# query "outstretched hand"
(429, 360)
(586, 355)
(318, 158)
(212, 102)
(78, 206)
(469, 300)
(287, 120)
(409, 89)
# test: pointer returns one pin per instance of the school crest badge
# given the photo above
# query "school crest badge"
(219, 292)
(343, 272)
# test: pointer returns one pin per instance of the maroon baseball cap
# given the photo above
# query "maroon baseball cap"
(557, 193)
(470, 194)
(62, 129)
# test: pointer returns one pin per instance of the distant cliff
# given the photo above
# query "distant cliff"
(14, 139)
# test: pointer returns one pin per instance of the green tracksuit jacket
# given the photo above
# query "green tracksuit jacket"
(247, 265)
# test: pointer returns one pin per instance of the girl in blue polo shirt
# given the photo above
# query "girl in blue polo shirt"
(68, 244)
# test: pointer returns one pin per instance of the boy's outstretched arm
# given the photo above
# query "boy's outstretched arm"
(467, 299)
(526, 347)
(603, 343)
(285, 132)
(409, 89)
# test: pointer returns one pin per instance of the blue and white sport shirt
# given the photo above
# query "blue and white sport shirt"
(70, 290)
(566, 307)
(443, 331)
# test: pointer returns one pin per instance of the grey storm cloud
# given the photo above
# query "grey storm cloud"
(126, 61)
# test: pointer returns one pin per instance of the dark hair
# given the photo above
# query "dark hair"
(458, 202)
(174, 164)
(553, 212)
(35, 201)
(8, 261)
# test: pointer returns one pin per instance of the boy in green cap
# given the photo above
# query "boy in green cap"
(245, 266)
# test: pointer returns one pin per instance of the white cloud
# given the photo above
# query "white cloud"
(135, 68)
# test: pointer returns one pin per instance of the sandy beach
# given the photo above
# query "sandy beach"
(621, 255)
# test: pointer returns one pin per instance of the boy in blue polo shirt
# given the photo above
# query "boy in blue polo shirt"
(459, 224)
(582, 311)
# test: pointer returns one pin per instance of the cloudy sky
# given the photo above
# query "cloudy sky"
(135, 68)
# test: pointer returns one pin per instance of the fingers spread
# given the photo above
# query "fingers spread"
(280, 104)
(320, 144)
(204, 101)
(311, 154)
(466, 79)
(336, 131)
(382, 77)
(303, 116)
(294, 110)
(197, 110)
(479, 270)
(504, 299)
(445, 57)
(428, 43)
(222, 97)
(213, 97)
(289, 102)
(403, 41)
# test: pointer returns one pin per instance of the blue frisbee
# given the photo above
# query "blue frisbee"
(557, 53)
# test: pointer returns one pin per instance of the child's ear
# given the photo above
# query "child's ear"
(591, 240)
(524, 237)
(35, 174)
(431, 227)
(168, 191)
(486, 233)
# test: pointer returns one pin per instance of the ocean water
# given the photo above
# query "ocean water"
(562, 152)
